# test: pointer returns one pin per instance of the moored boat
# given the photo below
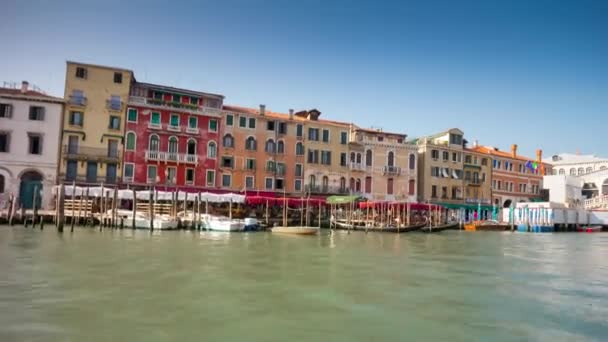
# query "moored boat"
(296, 230)
(222, 223)
(488, 225)
(440, 228)
(589, 229)
(142, 220)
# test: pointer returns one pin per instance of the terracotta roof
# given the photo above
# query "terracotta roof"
(271, 114)
(29, 93)
(369, 130)
(495, 152)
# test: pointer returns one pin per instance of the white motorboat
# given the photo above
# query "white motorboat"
(222, 223)
(142, 221)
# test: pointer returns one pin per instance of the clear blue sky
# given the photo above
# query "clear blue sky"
(533, 73)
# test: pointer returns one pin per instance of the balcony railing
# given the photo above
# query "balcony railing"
(172, 157)
(116, 106)
(139, 100)
(78, 100)
(192, 130)
(174, 128)
(80, 179)
(391, 170)
(357, 167)
(90, 153)
(152, 125)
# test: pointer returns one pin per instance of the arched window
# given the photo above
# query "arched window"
(358, 158)
(154, 143)
(391, 159)
(250, 144)
(130, 145)
(342, 184)
(325, 183)
(572, 172)
(312, 180)
(172, 149)
(228, 141)
(352, 184)
(358, 185)
(270, 146)
(352, 157)
(581, 171)
(281, 147)
(412, 161)
(191, 146)
(211, 150)
(1, 184)
(299, 149)
(412, 187)
(368, 158)
(589, 170)
(562, 171)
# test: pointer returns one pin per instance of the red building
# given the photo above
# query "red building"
(171, 137)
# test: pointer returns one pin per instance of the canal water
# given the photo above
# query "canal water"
(457, 286)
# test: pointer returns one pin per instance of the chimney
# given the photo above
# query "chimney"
(539, 155)
(262, 109)
(24, 86)
(514, 150)
(290, 114)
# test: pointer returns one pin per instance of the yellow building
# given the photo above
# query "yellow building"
(477, 177)
(94, 122)
(440, 167)
(326, 167)
(385, 162)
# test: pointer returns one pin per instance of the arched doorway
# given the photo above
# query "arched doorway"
(30, 181)
(590, 190)
(507, 203)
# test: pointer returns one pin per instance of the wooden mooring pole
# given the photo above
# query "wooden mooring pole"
(72, 216)
(134, 208)
(60, 207)
(11, 208)
(151, 209)
(114, 204)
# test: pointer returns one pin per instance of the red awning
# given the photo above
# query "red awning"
(291, 201)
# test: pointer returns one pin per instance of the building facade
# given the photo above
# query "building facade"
(514, 178)
(477, 178)
(261, 150)
(440, 167)
(30, 136)
(172, 137)
(94, 123)
(384, 163)
(326, 168)
(576, 164)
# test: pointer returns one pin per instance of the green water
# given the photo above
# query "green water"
(190, 286)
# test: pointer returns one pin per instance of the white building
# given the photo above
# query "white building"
(576, 164)
(30, 136)
(564, 189)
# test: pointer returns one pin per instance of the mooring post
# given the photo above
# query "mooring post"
(151, 208)
(60, 207)
(23, 217)
(114, 205)
(88, 209)
(41, 223)
(11, 208)
(194, 211)
(134, 209)
(73, 201)
(34, 209)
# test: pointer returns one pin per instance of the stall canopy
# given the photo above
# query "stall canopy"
(401, 205)
(291, 201)
(465, 206)
(341, 199)
(157, 195)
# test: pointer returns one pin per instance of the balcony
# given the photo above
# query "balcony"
(174, 128)
(152, 125)
(192, 130)
(186, 107)
(391, 170)
(79, 101)
(90, 153)
(116, 106)
(357, 167)
(180, 158)
(96, 180)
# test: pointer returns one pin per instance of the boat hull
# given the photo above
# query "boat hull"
(437, 229)
(590, 229)
(295, 230)
(535, 229)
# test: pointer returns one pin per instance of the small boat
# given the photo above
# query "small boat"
(352, 225)
(222, 223)
(407, 229)
(589, 229)
(440, 228)
(296, 230)
(142, 220)
(489, 225)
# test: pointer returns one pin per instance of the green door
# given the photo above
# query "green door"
(26, 194)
